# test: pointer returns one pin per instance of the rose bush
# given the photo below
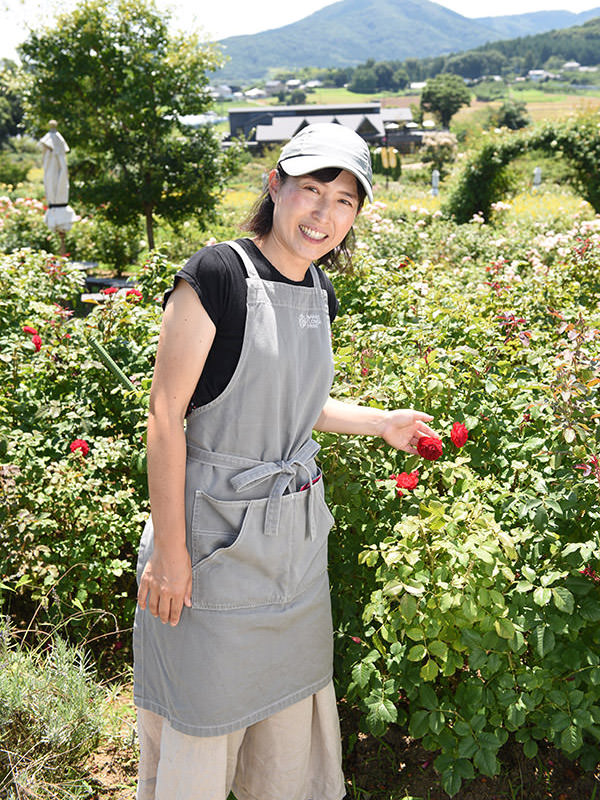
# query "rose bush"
(465, 602)
(474, 618)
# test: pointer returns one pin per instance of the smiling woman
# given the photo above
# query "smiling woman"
(233, 633)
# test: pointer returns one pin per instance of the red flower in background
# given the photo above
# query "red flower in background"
(80, 444)
(109, 290)
(459, 434)
(430, 447)
(30, 330)
(406, 480)
(37, 341)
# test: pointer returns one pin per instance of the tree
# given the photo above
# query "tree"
(11, 110)
(512, 114)
(444, 95)
(364, 80)
(119, 84)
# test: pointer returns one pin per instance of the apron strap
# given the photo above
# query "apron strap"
(321, 293)
(246, 260)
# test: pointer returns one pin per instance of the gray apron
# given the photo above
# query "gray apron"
(258, 636)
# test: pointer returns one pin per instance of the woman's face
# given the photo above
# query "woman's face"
(310, 217)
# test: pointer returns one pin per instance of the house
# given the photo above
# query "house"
(273, 87)
(270, 125)
(220, 92)
(538, 75)
(254, 93)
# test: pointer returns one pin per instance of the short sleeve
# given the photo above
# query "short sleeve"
(210, 277)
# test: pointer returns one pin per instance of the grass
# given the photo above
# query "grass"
(53, 716)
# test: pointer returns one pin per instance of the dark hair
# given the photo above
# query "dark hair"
(260, 218)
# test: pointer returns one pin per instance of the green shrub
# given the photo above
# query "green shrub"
(468, 607)
(50, 718)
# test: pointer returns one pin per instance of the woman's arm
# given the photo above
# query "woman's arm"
(401, 428)
(186, 336)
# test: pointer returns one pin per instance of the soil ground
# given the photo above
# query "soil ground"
(392, 768)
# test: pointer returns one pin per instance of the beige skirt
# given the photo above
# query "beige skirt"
(295, 754)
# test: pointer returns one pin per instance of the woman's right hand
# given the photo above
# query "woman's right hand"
(166, 584)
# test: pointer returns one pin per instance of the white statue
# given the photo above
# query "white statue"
(59, 216)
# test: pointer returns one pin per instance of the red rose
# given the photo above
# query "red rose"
(30, 330)
(135, 294)
(80, 444)
(407, 480)
(459, 434)
(429, 447)
(37, 341)
(109, 290)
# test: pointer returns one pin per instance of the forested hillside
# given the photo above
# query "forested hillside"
(349, 32)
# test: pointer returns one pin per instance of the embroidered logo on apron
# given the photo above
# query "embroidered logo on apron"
(309, 320)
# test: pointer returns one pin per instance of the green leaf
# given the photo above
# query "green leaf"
(530, 748)
(436, 721)
(467, 746)
(408, 607)
(540, 519)
(381, 708)
(438, 649)
(486, 762)
(451, 782)
(417, 653)
(419, 724)
(429, 670)
(361, 673)
(477, 658)
(428, 697)
(544, 640)
(571, 739)
(542, 596)
(563, 600)
(504, 628)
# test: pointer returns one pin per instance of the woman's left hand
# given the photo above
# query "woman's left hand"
(403, 427)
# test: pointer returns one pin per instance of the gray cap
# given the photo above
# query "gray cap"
(327, 144)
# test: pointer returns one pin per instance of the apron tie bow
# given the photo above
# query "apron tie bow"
(286, 470)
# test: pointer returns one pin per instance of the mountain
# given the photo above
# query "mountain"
(349, 32)
(537, 22)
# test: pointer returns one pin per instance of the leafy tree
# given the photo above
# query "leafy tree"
(401, 78)
(363, 80)
(119, 83)
(444, 95)
(11, 110)
(385, 76)
(297, 97)
(512, 114)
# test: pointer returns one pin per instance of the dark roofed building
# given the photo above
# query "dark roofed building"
(242, 121)
(276, 124)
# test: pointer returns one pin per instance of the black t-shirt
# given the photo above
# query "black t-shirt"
(218, 275)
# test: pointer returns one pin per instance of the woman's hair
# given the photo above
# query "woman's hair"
(260, 218)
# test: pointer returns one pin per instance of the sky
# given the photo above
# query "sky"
(232, 17)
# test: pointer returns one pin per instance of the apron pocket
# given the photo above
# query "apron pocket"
(235, 564)
(215, 525)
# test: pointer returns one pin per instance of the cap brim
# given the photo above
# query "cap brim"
(302, 165)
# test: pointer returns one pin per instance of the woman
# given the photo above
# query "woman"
(233, 636)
